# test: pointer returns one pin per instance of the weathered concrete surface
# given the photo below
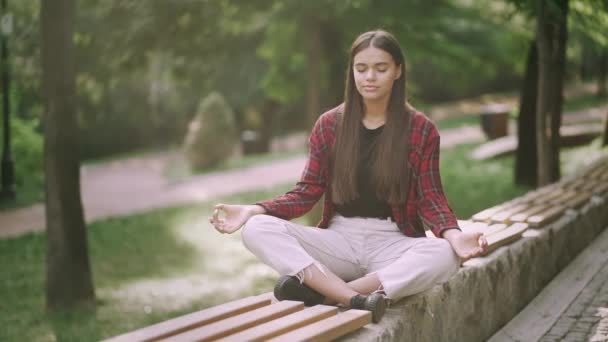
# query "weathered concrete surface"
(488, 292)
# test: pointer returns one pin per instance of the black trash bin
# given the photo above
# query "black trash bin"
(494, 119)
(249, 142)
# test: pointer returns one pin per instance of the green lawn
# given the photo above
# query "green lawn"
(161, 264)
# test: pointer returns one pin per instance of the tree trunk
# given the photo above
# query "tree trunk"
(602, 77)
(605, 137)
(526, 158)
(313, 68)
(313, 90)
(69, 280)
(551, 39)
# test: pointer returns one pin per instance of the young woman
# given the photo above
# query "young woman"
(376, 159)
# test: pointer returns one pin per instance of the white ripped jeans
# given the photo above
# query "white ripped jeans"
(351, 248)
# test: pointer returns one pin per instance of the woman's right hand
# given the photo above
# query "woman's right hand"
(235, 216)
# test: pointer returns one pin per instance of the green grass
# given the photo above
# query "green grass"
(450, 123)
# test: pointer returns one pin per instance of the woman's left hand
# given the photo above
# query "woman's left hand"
(467, 244)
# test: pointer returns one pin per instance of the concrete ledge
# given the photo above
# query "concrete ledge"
(488, 292)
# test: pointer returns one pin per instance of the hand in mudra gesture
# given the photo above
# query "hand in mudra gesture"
(235, 216)
(467, 244)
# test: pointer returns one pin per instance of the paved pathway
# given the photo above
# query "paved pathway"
(138, 184)
(572, 307)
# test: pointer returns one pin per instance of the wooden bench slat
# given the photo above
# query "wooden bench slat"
(550, 197)
(485, 214)
(505, 236)
(192, 320)
(565, 197)
(598, 171)
(494, 228)
(283, 325)
(475, 227)
(503, 216)
(601, 188)
(329, 328)
(523, 216)
(546, 216)
(578, 200)
(238, 323)
(575, 184)
(536, 194)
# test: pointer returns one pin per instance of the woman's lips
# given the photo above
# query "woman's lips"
(370, 88)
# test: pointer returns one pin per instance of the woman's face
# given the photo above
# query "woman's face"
(375, 72)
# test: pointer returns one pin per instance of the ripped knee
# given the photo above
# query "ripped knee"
(306, 272)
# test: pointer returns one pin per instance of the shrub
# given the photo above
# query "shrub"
(27, 152)
(212, 135)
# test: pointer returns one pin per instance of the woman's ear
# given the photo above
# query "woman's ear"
(399, 71)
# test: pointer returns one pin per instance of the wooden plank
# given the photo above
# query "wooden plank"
(575, 184)
(485, 214)
(238, 323)
(578, 200)
(590, 185)
(475, 227)
(329, 328)
(503, 216)
(192, 320)
(536, 194)
(600, 189)
(506, 236)
(283, 325)
(465, 223)
(564, 197)
(598, 171)
(494, 228)
(523, 216)
(550, 197)
(546, 216)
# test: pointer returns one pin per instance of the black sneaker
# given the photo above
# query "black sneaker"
(375, 302)
(290, 288)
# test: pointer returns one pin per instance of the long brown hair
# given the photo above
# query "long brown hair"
(390, 171)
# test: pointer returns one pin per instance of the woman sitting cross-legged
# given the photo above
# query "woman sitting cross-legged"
(376, 159)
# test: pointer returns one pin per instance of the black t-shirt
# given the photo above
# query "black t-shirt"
(367, 204)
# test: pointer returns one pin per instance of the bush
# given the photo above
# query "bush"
(212, 134)
(27, 153)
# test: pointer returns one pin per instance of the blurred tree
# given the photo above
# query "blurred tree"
(551, 40)
(526, 161)
(69, 281)
(605, 136)
(589, 22)
(587, 19)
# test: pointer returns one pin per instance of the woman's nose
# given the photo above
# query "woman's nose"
(370, 74)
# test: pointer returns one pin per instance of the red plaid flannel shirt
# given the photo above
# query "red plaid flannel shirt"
(427, 206)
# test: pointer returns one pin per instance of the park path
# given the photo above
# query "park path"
(138, 184)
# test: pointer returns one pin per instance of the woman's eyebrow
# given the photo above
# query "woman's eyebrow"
(379, 63)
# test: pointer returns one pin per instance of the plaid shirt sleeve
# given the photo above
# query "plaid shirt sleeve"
(433, 208)
(312, 184)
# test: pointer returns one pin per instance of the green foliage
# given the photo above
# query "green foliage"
(27, 155)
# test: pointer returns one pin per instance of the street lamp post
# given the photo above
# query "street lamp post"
(8, 168)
